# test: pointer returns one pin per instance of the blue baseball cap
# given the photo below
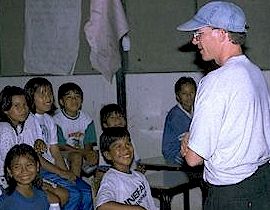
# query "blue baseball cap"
(217, 14)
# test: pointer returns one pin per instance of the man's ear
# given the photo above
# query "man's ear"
(222, 35)
(107, 155)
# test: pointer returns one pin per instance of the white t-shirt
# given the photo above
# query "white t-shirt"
(75, 128)
(8, 137)
(49, 133)
(130, 189)
(231, 122)
(31, 131)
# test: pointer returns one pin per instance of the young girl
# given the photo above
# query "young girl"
(21, 172)
(13, 113)
(19, 126)
(40, 100)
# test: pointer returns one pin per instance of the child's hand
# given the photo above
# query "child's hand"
(55, 194)
(91, 157)
(40, 146)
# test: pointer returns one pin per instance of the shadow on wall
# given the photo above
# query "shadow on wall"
(204, 66)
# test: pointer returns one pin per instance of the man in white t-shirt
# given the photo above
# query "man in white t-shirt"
(229, 132)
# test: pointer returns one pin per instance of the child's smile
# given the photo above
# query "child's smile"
(121, 154)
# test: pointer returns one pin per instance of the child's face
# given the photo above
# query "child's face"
(24, 170)
(186, 96)
(19, 110)
(43, 99)
(121, 154)
(115, 120)
(72, 103)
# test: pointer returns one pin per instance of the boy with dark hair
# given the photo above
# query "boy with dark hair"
(112, 115)
(75, 130)
(120, 182)
(178, 119)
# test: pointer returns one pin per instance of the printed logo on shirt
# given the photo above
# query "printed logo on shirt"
(45, 133)
(75, 139)
(137, 196)
(75, 135)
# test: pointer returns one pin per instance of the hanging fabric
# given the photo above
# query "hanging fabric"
(107, 25)
(51, 36)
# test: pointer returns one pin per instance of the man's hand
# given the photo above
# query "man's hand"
(184, 144)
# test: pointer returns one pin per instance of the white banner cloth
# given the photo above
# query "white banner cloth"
(51, 36)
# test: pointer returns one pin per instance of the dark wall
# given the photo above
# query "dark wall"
(156, 45)
(12, 39)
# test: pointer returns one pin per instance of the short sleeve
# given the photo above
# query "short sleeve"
(106, 192)
(90, 134)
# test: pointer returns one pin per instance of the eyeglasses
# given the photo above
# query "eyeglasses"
(197, 35)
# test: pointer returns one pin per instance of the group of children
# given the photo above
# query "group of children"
(44, 152)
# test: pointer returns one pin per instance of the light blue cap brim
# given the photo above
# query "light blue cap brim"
(191, 25)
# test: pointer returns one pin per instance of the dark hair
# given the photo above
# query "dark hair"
(65, 88)
(107, 110)
(182, 81)
(6, 101)
(237, 37)
(109, 136)
(31, 87)
(16, 151)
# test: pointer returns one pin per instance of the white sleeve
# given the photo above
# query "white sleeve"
(31, 131)
(8, 139)
(207, 120)
(52, 129)
(106, 191)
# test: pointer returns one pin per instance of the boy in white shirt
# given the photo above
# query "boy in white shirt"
(121, 187)
(75, 130)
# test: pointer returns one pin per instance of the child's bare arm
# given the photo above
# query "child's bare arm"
(58, 158)
(118, 206)
(68, 148)
(56, 169)
(56, 194)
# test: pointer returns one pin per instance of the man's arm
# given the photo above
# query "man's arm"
(192, 158)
